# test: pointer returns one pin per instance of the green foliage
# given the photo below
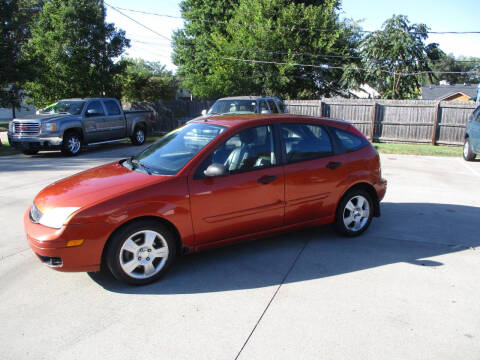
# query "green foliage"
(15, 16)
(146, 81)
(387, 55)
(279, 31)
(448, 63)
(72, 49)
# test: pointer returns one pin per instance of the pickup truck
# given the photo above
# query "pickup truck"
(471, 146)
(72, 123)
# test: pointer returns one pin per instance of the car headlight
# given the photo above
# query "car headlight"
(49, 126)
(56, 217)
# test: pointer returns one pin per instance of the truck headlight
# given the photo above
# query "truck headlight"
(49, 127)
(57, 217)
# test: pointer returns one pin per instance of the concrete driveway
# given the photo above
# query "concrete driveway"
(409, 288)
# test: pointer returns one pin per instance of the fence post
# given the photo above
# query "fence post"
(372, 121)
(435, 124)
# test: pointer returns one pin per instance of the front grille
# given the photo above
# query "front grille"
(26, 128)
(50, 261)
(35, 214)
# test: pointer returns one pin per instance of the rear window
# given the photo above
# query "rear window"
(112, 107)
(349, 141)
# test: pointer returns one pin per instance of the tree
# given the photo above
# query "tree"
(15, 16)
(278, 34)
(391, 57)
(146, 81)
(73, 49)
(448, 63)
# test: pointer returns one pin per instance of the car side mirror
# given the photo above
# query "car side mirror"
(216, 170)
(266, 112)
(91, 112)
(204, 112)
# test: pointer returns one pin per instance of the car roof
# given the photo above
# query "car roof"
(242, 119)
(248, 98)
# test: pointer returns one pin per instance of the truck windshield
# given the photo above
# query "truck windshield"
(72, 107)
(233, 106)
(172, 152)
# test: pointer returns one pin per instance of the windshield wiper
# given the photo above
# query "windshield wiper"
(136, 163)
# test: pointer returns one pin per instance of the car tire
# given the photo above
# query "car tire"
(141, 252)
(354, 213)
(139, 136)
(29, 152)
(71, 144)
(468, 154)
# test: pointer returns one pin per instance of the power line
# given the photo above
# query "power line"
(137, 22)
(284, 27)
(327, 67)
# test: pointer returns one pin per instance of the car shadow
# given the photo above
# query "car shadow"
(46, 160)
(410, 233)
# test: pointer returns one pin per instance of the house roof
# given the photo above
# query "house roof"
(438, 92)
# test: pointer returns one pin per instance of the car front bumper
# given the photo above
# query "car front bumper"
(23, 142)
(50, 245)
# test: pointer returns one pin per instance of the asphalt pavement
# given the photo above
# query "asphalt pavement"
(406, 289)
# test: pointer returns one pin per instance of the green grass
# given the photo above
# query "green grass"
(3, 126)
(424, 150)
(6, 149)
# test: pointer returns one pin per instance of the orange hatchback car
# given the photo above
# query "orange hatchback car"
(209, 183)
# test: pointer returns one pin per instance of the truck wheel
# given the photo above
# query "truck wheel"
(141, 252)
(72, 144)
(468, 154)
(29, 152)
(138, 137)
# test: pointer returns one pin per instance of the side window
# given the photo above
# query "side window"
(281, 108)
(249, 149)
(305, 142)
(476, 116)
(95, 108)
(273, 107)
(112, 107)
(263, 106)
(349, 141)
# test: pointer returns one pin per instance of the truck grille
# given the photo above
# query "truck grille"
(27, 128)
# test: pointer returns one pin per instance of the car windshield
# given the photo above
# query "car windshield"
(233, 107)
(72, 107)
(172, 152)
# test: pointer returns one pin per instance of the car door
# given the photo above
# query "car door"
(475, 132)
(249, 199)
(312, 172)
(94, 121)
(115, 123)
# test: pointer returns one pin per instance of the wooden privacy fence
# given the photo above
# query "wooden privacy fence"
(409, 121)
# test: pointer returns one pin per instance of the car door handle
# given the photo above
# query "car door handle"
(267, 179)
(333, 165)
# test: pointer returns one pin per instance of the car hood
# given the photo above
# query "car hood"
(42, 118)
(93, 186)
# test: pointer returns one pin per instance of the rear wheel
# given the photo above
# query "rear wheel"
(354, 213)
(468, 154)
(139, 135)
(72, 144)
(141, 252)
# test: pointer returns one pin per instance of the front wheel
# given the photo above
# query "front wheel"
(29, 152)
(141, 252)
(468, 154)
(72, 144)
(354, 213)
(139, 136)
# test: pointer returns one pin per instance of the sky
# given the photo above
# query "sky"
(439, 15)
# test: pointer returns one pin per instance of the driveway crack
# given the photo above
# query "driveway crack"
(299, 253)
